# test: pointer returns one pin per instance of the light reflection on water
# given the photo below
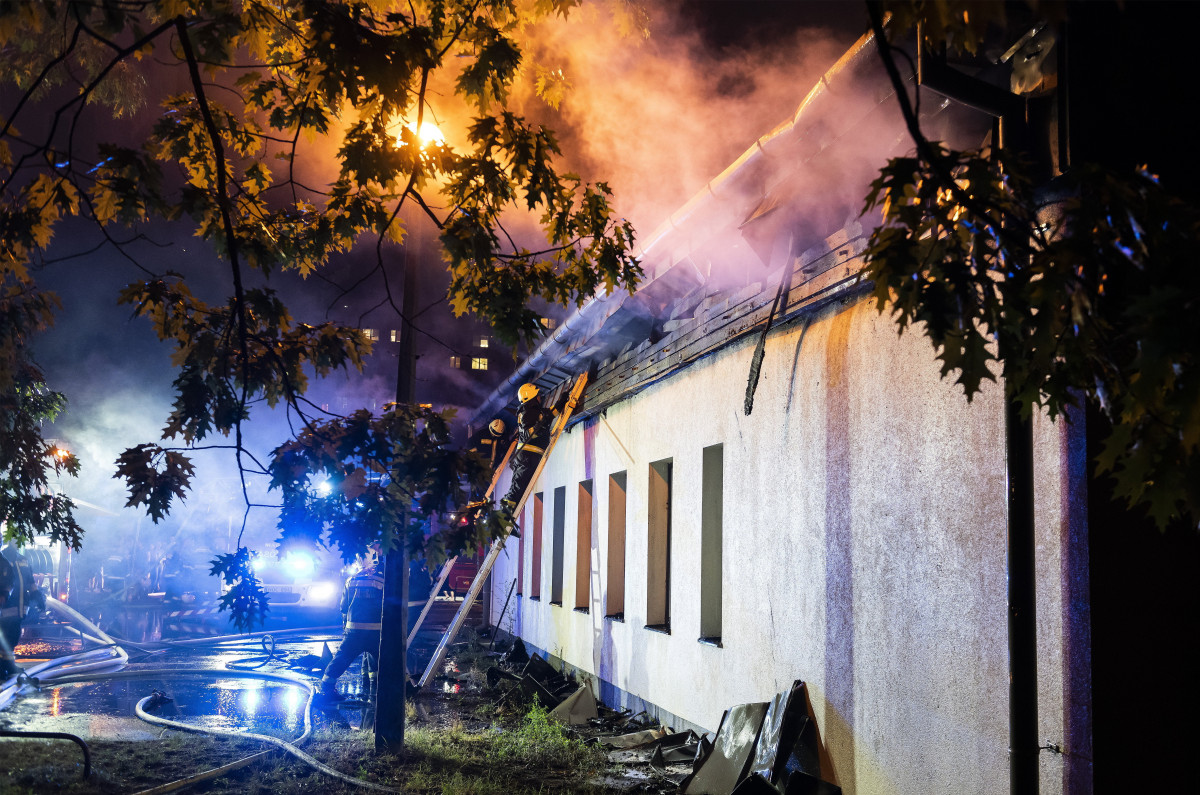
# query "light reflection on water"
(246, 704)
(251, 705)
(243, 705)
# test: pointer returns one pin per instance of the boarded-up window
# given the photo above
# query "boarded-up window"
(658, 546)
(535, 568)
(558, 541)
(521, 553)
(614, 601)
(711, 523)
(583, 547)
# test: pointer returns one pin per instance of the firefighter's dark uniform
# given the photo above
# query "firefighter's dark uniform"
(362, 607)
(489, 445)
(18, 591)
(533, 434)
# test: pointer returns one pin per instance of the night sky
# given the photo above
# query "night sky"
(117, 376)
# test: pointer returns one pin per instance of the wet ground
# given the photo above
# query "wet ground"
(104, 708)
(101, 710)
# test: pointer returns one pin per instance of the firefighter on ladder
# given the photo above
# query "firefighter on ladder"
(362, 611)
(18, 594)
(533, 434)
(490, 442)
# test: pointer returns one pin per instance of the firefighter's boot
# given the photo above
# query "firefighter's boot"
(328, 691)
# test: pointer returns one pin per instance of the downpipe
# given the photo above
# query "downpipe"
(1022, 611)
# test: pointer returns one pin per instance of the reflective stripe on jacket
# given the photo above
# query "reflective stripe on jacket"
(362, 601)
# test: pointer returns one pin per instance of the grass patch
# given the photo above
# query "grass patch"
(542, 741)
(529, 754)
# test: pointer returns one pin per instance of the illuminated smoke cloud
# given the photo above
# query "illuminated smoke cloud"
(659, 117)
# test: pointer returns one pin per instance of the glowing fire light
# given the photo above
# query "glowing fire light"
(430, 134)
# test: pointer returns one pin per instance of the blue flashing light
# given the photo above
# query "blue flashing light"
(299, 564)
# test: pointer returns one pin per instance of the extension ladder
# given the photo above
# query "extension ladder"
(449, 564)
(485, 568)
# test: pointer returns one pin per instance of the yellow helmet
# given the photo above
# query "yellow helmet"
(497, 426)
(527, 392)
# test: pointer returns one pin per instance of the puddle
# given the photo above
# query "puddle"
(106, 708)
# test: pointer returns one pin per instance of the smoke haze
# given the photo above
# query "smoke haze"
(657, 118)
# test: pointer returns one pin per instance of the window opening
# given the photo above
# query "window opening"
(712, 487)
(535, 569)
(658, 547)
(614, 595)
(583, 547)
(558, 539)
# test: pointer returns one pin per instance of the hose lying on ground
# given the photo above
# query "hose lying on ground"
(283, 744)
(289, 747)
(110, 656)
(80, 667)
(268, 645)
(250, 637)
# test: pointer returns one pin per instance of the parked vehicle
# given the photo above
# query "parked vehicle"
(302, 582)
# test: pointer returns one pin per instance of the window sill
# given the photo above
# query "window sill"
(617, 617)
(556, 604)
(711, 642)
(535, 598)
(583, 610)
(664, 629)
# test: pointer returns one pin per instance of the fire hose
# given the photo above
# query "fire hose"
(88, 666)
(289, 747)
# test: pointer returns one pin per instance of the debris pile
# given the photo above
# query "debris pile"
(765, 748)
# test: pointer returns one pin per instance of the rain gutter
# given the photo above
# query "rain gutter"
(741, 178)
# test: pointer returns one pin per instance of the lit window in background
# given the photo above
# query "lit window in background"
(479, 363)
(395, 335)
(456, 362)
(371, 333)
(549, 323)
(483, 343)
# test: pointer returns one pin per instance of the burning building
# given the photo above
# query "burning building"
(764, 482)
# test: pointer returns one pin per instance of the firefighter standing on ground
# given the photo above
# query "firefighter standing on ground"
(362, 611)
(18, 594)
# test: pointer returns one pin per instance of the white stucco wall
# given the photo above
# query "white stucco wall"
(863, 552)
